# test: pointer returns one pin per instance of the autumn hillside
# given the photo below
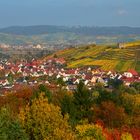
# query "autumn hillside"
(106, 57)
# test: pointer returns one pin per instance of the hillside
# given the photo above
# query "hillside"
(67, 35)
(104, 57)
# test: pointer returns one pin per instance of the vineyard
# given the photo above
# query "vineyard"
(103, 56)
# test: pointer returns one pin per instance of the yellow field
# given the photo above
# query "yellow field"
(127, 65)
(132, 44)
(106, 57)
(104, 64)
(79, 62)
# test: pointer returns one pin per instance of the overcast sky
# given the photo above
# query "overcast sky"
(70, 12)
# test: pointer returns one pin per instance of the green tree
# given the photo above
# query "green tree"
(55, 56)
(10, 129)
(83, 101)
(10, 78)
(126, 89)
(105, 95)
(115, 83)
(68, 107)
(45, 90)
(136, 85)
(61, 82)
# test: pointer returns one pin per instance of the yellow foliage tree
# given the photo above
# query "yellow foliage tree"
(126, 136)
(43, 121)
(89, 132)
(131, 103)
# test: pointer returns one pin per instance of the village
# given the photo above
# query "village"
(13, 76)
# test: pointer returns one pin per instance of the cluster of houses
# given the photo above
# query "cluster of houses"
(14, 75)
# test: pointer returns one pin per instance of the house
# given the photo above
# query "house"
(65, 79)
(89, 69)
(4, 82)
(86, 82)
(1, 67)
(58, 76)
(71, 87)
(94, 79)
(127, 81)
(9, 86)
(60, 61)
(76, 81)
(133, 72)
(128, 74)
(19, 70)
(101, 80)
(34, 74)
(70, 72)
(121, 45)
(47, 82)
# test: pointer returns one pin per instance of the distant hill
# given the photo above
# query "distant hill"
(33, 30)
(67, 35)
(47, 29)
(104, 57)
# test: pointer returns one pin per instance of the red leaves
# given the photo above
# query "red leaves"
(111, 114)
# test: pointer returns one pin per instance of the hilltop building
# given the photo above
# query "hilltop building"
(121, 45)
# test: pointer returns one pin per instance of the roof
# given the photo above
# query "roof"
(88, 77)
(70, 71)
(133, 72)
(131, 80)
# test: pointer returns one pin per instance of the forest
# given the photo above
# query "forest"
(44, 113)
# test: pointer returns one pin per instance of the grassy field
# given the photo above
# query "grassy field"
(104, 56)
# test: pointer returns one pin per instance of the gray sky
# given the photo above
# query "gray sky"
(70, 12)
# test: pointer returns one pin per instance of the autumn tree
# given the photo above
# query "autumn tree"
(111, 114)
(44, 121)
(89, 132)
(126, 136)
(131, 103)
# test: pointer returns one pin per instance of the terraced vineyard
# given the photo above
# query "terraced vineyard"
(105, 57)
